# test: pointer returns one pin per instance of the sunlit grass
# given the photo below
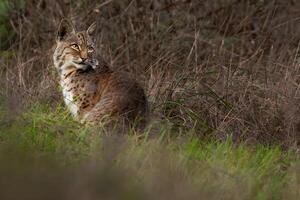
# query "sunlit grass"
(164, 165)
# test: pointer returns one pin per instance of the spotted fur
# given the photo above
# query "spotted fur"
(91, 90)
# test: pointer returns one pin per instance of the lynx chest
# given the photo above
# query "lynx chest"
(80, 93)
(70, 96)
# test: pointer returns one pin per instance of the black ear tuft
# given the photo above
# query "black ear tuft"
(65, 29)
(92, 28)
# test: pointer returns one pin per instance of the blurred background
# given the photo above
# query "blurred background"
(222, 78)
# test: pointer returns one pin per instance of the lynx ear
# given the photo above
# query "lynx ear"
(92, 28)
(65, 29)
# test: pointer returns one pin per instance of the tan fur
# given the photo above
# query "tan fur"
(91, 89)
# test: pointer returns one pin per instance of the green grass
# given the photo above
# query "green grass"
(43, 143)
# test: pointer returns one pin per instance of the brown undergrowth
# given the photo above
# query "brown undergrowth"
(220, 68)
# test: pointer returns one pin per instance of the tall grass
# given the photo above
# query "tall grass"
(222, 80)
(222, 67)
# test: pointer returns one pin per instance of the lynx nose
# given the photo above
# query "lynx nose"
(84, 56)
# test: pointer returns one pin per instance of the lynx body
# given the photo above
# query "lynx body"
(91, 90)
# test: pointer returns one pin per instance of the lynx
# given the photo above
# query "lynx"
(91, 89)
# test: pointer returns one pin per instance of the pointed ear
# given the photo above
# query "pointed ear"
(92, 28)
(65, 29)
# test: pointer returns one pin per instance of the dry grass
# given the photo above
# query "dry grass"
(219, 68)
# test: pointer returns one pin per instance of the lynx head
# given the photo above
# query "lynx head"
(74, 50)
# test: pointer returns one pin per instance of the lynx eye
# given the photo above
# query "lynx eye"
(75, 46)
(90, 49)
